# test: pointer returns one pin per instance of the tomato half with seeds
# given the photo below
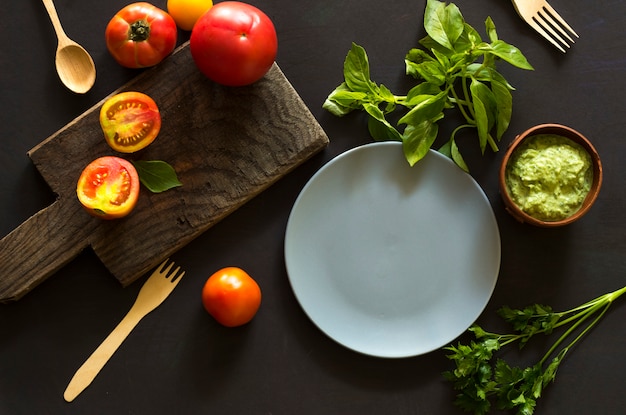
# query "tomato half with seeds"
(108, 187)
(130, 121)
(140, 35)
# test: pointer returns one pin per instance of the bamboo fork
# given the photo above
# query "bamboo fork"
(154, 291)
(545, 20)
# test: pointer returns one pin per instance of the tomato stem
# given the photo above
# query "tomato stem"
(139, 31)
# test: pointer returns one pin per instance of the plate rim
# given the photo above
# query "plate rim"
(313, 179)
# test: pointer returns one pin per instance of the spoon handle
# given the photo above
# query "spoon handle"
(54, 17)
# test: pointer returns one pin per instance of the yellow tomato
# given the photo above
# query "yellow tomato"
(187, 12)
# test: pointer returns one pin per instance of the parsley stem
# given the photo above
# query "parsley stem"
(588, 309)
(581, 318)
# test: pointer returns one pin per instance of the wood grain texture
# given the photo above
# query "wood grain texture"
(226, 144)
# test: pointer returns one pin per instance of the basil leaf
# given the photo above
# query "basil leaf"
(356, 70)
(504, 103)
(508, 53)
(456, 156)
(382, 131)
(429, 71)
(342, 100)
(156, 175)
(424, 88)
(418, 139)
(387, 96)
(480, 116)
(425, 107)
(379, 128)
(490, 28)
(455, 68)
(443, 23)
(469, 39)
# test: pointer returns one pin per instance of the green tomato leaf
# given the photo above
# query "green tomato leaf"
(156, 175)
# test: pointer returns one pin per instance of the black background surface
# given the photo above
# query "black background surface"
(178, 360)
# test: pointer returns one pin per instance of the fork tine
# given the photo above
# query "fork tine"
(175, 276)
(533, 23)
(553, 24)
(557, 17)
(166, 272)
(545, 24)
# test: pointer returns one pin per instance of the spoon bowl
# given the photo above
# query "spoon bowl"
(73, 63)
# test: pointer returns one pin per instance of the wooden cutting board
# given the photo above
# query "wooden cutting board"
(226, 145)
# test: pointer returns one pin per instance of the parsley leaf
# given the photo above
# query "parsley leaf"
(484, 380)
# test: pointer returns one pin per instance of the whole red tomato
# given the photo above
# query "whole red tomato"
(130, 121)
(234, 43)
(108, 187)
(140, 35)
(231, 296)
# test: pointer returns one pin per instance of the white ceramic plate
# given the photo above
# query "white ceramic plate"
(391, 260)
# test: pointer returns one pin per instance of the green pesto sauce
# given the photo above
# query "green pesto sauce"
(549, 176)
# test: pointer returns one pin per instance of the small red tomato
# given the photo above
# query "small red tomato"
(140, 35)
(234, 43)
(108, 187)
(130, 121)
(231, 296)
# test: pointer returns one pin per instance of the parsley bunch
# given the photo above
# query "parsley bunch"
(456, 68)
(482, 379)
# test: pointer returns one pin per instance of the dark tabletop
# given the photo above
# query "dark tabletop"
(178, 359)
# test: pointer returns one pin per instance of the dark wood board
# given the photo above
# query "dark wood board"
(226, 144)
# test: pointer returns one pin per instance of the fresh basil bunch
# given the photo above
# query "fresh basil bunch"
(455, 68)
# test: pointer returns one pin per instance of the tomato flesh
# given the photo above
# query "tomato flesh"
(108, 187)
(234, 43)
(130, 121)
(140, 35)
(231, 296)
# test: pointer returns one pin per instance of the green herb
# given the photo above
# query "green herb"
(456, 68)
(482, 379)
(156, 175)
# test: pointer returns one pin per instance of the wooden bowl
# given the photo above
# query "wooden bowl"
(563, 131)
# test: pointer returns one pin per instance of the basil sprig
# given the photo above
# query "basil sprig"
(455, 69)
(156, 175)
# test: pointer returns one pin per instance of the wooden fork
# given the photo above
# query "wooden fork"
(154, 291)
(545, 20)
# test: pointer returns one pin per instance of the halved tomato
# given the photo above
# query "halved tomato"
(108, 187)
(130, 121)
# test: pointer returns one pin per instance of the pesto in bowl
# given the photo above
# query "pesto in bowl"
(549, 176)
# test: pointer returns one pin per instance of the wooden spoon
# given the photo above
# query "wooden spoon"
(74, 64)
